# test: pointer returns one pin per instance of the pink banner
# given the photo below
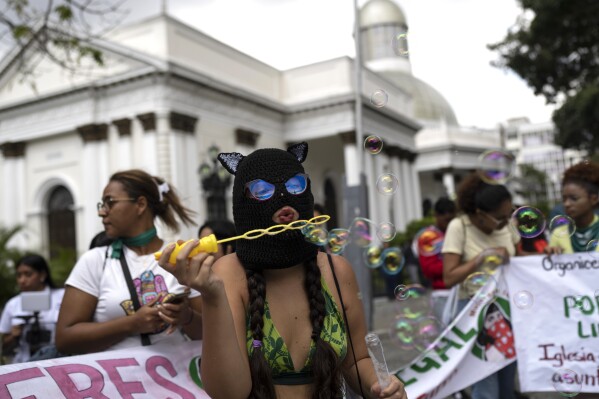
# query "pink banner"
(157, 371)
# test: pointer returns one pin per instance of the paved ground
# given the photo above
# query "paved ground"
(384, 314)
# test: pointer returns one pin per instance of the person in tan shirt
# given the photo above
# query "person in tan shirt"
(483, 224)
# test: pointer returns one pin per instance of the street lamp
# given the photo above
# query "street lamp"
(215, 181)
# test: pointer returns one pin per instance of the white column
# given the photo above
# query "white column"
(407, 187)
(449, 183)
(136, 144)
(382, 201)
(350, 155)
(399, 211)
(14, 195)
(95, 169)
(119, 144)
(371, 174)
(149, 162)
(417, 196)
(162, 143)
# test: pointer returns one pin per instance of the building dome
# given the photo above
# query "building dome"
(429, 104)
(381, 12)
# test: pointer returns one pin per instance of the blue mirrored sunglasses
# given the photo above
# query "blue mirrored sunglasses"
(262, 190)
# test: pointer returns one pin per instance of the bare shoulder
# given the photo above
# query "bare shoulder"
(344, 273)
(343, 269)
(231, 271)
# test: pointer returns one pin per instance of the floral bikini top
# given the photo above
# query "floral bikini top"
(276, 352)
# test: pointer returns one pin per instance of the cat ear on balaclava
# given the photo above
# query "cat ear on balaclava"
(300, 151)
(230, 161)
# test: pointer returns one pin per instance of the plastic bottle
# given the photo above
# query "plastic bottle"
(375, 350)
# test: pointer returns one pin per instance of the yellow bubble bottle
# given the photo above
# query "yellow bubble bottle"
(207, 244)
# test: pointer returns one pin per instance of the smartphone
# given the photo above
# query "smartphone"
(178, 298)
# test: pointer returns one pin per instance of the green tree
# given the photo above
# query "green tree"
(554, 47)
(534, 186)
(8, 257)
(60, 31)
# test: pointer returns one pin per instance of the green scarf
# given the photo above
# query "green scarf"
(581, 238)
(137, 241)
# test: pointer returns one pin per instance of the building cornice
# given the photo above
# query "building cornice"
(123, 126)
(183, 123)
(13, 150)
(93, 132)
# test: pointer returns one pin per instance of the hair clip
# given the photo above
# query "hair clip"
(257, 343)
(163, 189)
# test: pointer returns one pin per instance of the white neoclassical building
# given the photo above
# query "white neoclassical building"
(446, 151)
(167, 93)
(533, 144)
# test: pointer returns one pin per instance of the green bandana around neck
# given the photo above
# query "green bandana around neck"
(137, 241)
(581, 238)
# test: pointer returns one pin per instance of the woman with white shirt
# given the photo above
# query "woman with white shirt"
(116, 295)
(21, 333)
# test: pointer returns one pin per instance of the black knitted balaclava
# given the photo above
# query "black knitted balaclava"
(275, 166)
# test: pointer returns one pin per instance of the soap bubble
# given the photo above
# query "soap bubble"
(415, 302)
(337, 240)
(401, 292)
(523, 299)
(379, 98)
(373, 256)
(402, 332)
(430, 241)
(361, 232)
(385, 231)
(316, 234)
(489, 260)
(566, 382)
(495, 167)
(428, 329)
(387, 184)
(393, 261)
(475, 281)
(562, 226)
(400, 44)
(373, 144)
(528, 222)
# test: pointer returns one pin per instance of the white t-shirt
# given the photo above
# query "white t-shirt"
(104, 279)
(47, 318)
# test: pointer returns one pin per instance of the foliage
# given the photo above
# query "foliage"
(554, 47)
(533, 184)
(8, 258)
(59, 31)
(62, 264)
(412, 228)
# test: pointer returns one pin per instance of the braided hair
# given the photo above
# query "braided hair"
(326, 365)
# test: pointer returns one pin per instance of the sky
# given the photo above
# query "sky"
(447, 41)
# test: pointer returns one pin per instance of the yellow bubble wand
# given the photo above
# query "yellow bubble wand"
(209, 243)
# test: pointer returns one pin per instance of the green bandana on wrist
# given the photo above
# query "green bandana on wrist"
(137, 241)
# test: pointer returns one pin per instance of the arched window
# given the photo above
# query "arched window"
(61, 221)
(330, 202)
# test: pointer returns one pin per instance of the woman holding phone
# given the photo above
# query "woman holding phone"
(98, 312)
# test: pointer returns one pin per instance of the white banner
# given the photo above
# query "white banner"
(476, 344)
(555, 308)
(157, 371)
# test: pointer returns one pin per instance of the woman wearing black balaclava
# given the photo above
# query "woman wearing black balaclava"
(273, 325)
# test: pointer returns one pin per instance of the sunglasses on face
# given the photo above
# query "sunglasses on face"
(262, 190)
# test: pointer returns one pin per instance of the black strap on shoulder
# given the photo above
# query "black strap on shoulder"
(351, 344)
(145, 338)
